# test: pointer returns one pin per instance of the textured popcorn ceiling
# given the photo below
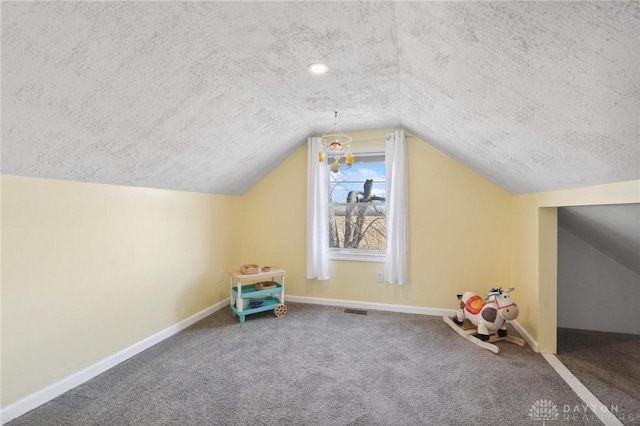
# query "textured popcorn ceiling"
(210, 96)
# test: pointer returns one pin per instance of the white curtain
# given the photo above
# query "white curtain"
(317, 213)
(396, 264)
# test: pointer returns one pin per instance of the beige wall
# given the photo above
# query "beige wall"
(534, 246)
(459, 225)
(89, 269)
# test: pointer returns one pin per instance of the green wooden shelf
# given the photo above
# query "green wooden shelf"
(251, 300)
(249, 291)
(267, 303)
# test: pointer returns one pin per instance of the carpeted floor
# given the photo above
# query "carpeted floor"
(317, 366)
(608, 364)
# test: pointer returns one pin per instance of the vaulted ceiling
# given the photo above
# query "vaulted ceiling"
(210, 96)
(612, 229)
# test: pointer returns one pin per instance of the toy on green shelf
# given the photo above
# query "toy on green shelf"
(488, 317)
(255, 304)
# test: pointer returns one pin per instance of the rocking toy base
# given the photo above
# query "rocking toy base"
(469, 332)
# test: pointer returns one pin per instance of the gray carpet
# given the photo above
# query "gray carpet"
(316, 366)
(608, 364)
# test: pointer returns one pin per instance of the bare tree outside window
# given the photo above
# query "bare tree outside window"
(357, 207)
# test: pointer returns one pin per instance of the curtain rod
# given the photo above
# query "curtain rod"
(374, 138)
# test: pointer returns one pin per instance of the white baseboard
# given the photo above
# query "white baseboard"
(373, 306)
(42, 396)
(526, 336)
(589, 399)
(403, 309)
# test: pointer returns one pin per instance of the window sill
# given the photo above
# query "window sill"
(357, 257)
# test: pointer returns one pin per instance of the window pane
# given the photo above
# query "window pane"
(357, 197)
(352, 192)
(348, 184)
(361, 226)
(359, 172)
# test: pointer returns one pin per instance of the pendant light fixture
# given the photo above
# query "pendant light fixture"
(336, 144)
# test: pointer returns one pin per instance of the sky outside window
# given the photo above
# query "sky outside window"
(352, 179)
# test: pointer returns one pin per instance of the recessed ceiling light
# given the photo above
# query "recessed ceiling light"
(317, 68)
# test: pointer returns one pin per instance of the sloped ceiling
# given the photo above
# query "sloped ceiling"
(210, 96)
(613, 230)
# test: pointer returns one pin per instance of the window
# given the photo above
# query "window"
(357, 209)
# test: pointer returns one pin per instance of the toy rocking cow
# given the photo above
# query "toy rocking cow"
(488, 315)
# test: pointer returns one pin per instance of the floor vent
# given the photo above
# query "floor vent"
(355, 311)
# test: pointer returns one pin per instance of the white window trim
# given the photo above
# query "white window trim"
(358, 255)
(368, 151)
(361, 255)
